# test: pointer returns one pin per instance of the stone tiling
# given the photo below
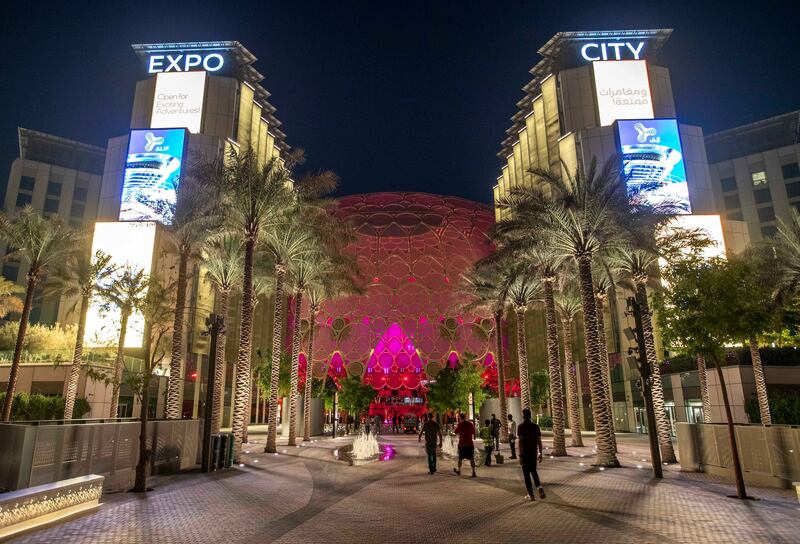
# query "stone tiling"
(304, 494)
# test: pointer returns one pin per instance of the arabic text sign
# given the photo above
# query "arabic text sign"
(623, 90)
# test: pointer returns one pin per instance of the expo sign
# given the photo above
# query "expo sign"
(180, 62)
(612, 51)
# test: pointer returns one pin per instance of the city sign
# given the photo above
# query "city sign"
(623, 90)
(593, 51)
(185, 62)
(152, 174)
(178, 100)
(653, 163)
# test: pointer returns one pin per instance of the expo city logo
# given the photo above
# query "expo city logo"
(603, 51)
(644, 134)
(154, 142)
(210, 62)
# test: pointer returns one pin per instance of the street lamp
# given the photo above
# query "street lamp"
(216, 325)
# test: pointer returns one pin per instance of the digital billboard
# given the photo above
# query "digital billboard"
(152, 174)
(623, 90)
(652, 155)
(178, 100)
(129, 245)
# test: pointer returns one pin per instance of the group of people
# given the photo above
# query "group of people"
(530, 446)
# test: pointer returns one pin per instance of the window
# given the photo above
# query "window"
(77, 210)
(23, 200)
(54, 189)
(759, 178)
(791, 170)
(766, 214)
(728, 184)
(732, 202)
(26, 183)
(80, 194)
(11, 271)
(768, 231)
(51, 205)
(735, 216)
(792, 190)
(762, 196)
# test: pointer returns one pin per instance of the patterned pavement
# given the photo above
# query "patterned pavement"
(306, 495)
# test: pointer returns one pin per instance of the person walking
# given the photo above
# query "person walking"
(394, 423)
(496, 433)
(488, 442)
(530, 439)
(431, 430)
(377, 425)
(466, 448)
(512, 436)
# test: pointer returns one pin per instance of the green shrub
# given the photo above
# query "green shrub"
(38, 337)
(784, 408)
(41, 407)
(545, 422)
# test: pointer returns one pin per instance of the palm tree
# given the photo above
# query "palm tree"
(191, 219)
(223, 265)
(255, 197)
(602, 283)
(40, 243)
(127, 290)
(9, 301)
(636, 266)
(568, 305)
(704, 396)
(522, 289)
(79, 276)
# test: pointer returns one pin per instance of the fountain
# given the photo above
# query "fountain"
(365, 446)
(450, 446)
(364, 449)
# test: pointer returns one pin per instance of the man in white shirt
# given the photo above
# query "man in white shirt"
(512, 436)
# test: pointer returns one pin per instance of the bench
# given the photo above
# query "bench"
(34, 507)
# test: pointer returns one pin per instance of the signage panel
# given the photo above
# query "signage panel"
(652, 155)
(622, 89)
(178, 100)
(152, 174)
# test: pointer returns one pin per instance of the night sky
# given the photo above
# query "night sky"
(412, 95)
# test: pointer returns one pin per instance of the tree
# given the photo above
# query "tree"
(540, 390)
(442, 396)
(255, 198)
(602, 283)
(568, 304)
(127, 290)
(521, 289)
(469, 382)
(697, 313)
(355, 396)
(80, 275)
(40, 243)
(9, 301)
(222, 257)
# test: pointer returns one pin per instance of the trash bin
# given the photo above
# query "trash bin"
(216, 451)
(228, 451)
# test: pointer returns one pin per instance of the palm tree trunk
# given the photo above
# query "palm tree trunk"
(140, 482)
(705, 397)
(604, 429)
(293, 397)
(572, 386)
(77, 361)
(501, 376)
(23, 327)
(605, 363)
(761, 384)
(522, 356)
(244, 354)
(275, 371)
(554, 366)
(219, 366)
(309, 377)
(662, 422)
(173, 410)
(119, 364)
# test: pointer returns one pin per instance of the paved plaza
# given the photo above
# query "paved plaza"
(304, 494)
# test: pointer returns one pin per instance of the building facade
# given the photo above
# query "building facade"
(755, 175)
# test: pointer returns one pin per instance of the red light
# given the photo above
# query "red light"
(193, 376)
(375, 279)
(411, 279)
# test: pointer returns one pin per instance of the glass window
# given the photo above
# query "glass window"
(766, 214)
(23, 200)
(762, 196)
(26, 183)
(759, 178)
(735, 216)
(11, 271)
(77, 210)
(732, 202)
(51, 205)
(54, 189)
(792, 190)
(768, 231)
(80, 193)
(728, 184)
(791, 170)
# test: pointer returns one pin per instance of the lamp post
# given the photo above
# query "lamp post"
(215, 324)
(635, 308)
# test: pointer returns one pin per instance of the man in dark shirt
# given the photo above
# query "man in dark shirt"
(496, 432)
(431, 430)
(466, 449)
(530, 439)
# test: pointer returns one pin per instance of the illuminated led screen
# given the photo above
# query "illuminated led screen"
(623, 90)
(152, 174)
(652, 155)
(178, 100)
(128, 245)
